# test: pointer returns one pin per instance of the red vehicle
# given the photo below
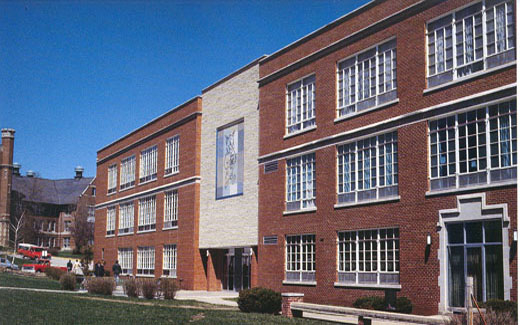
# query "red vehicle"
(41, 266)
(33, 252)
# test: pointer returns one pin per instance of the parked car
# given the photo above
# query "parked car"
(41, 266)
(4, 262)
(33, 252)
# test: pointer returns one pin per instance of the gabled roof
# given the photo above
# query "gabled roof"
(41, 190)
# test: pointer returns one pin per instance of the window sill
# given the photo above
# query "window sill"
(286, 213)
(367, 286)
(171, 174)
(112, 193)
(295, 133)
(125, 234)
(171, 228)
(145, 231)
(470, 189)
(127, 188)
(296, 283)
(109, 236)
(145, 275)
(367, 202)
(472, 76)
(168, 276)
(152, 180)
(368, 110)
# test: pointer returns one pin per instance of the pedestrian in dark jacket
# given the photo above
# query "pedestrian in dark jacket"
(116, 268)
(69, 266)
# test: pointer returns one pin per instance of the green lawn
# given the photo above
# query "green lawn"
(51, 308)
(20, 281)
(69, 254)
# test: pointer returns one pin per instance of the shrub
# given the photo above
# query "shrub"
(501, 306)
(168, 288)
(103, 286)
(54, 251)
(403, 305)
(54, 273)
(131, 288)
(68, 282)
(490, 317)
(148, 288)
(260, 300)
(107, 273)
(370, 302)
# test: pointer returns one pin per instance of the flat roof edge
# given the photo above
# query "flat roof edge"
(147, 124)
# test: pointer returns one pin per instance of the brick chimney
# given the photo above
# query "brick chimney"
(6, 176)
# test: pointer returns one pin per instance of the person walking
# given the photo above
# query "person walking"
(116, 268)
(69, 266)
(97, 269)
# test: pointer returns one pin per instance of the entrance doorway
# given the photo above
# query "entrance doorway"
(237, 269)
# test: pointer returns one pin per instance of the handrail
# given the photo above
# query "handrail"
(479, 312)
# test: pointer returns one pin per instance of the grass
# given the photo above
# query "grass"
(78, 309)
(69, 254)
(21, 281)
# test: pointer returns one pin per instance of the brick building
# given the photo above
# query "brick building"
(388, 156)
(178, 196)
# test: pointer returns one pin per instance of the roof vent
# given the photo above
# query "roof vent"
(79, 172)
(30, 173)
(16, 169)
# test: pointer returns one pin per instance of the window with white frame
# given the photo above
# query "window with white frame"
(170, 209)
(367, 79)
(125, 257)
(170, 260)
(172, 155)
(111, 221)
(300, 258)
(127, 172)
(146, 219)
(91, 213)
(475, 38)
(368, 256)
(368, 169)
(301, 110)
(66, 225)
(112, 179)
(126, 218)
(145, 260)
(474, 147)
(66, 242)
(148, 165)
(301, 182)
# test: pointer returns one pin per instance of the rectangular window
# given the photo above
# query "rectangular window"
(125, 257)
(111, 221)
(301, 182)
(368, 256)
(367, 79)
(66, 226)
(457, 46)
(300, 258)
(145, 260)
(368, 169)
(301, 109)
(127, 172)
(66, 242)
(170, 260)
(146, 214)
(474, 147)
(126, 218)
(91, 213)
(170, 209)
(172, 155)
(112, 179)
(148, 165)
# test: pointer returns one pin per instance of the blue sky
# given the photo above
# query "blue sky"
(75, 76)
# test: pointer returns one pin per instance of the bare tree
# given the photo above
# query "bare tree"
(82, 230)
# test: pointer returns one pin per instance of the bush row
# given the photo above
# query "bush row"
(402, 304)
(260, 300)
(151, 288)
(54, 273)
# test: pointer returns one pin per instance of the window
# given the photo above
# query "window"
(475, 249)
(126, 218)
(66, 226)
(456, 45)
(111, 221)
(474, 147)
(301, 182)
(112, 179)
(367, 79)
(148, 165)
(172, 155)
(66, 242)
(170, 260)
(301, 109)
(147, 214)
(368, 168)
(127, 173)
(125, 257)
(170, 209)
(368, 256)
(91, 213)
(300, 258)
(145, 260)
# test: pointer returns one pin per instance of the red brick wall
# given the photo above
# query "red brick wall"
(415, 214)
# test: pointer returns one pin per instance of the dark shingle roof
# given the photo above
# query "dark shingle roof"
(41, 190)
